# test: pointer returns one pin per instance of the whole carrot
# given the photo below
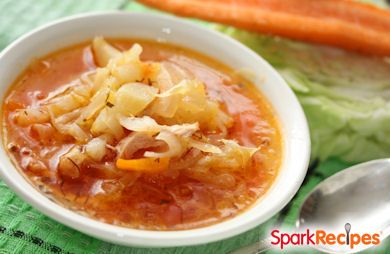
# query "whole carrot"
(341, 23)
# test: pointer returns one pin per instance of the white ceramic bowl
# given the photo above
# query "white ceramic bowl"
(80, 28)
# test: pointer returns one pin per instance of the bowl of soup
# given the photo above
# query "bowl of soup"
(147, 130)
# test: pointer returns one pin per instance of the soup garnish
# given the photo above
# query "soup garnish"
(152, 137)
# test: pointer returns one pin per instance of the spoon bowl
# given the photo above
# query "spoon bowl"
(355, 200)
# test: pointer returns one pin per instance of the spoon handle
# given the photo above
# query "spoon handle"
(254, 248)
(386, 232)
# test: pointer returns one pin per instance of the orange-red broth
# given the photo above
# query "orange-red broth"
(170, 200)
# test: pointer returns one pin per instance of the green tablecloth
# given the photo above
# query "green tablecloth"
(25, 230)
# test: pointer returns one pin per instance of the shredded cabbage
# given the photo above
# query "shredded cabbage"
(128, 105)
(187, 102)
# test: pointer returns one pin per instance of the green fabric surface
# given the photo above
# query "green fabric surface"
(25, 230)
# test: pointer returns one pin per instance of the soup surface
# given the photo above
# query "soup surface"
(145, 135)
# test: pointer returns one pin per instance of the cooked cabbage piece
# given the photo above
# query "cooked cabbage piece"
(28, 116)
(187, 102)
(96, 148)
(127, 67)
(97, 103)
(107, 123)
(70, 163)
(233, 157)
(169, 75)
(131, 99)
(104, 52)
(147, 124)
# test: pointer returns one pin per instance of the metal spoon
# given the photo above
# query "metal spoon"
(357, 198)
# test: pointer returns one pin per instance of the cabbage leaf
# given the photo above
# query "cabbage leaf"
(346, 96)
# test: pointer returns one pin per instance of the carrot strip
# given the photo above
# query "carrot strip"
(144, 164)
(342, 23)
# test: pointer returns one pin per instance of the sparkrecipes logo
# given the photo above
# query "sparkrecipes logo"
(322, 237)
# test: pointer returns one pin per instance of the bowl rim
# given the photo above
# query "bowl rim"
(137, 237)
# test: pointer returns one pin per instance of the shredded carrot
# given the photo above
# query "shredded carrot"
(342, 23)
(144, 164)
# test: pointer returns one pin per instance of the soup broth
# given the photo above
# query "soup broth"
(184, 194)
